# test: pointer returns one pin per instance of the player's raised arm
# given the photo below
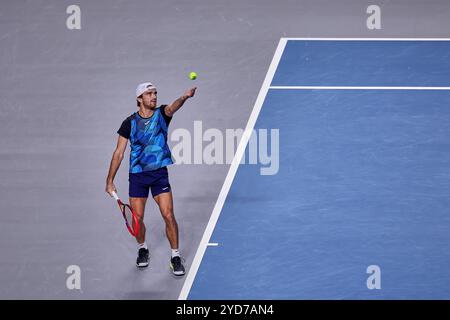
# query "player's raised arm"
(174, 106)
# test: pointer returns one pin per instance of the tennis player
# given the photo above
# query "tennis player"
(149, 157)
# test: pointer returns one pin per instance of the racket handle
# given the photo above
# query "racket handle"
(114, 194)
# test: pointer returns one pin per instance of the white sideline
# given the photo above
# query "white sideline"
(232, 171)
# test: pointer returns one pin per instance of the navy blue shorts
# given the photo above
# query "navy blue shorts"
(157, 181)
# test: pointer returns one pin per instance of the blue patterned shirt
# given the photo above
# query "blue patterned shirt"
(148, 140)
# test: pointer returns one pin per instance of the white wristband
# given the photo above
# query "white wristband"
(114, 194)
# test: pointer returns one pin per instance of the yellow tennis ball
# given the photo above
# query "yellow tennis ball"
(192, 76)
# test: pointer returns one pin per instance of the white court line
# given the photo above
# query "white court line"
(359, 87)
(354, 88)
(232, 171)
(369, 39)
(213, 244)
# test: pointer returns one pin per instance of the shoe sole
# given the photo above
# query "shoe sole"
(142, 265)
(180, 274)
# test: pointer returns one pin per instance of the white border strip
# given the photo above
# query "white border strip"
(232, 171)
(369, 39)
(354, 88)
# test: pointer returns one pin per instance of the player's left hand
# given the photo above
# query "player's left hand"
(190, 93)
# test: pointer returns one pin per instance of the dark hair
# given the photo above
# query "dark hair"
(137, 101)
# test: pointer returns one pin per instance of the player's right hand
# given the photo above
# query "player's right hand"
(110, 187)
(190, 93)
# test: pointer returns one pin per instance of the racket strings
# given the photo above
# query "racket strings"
(130, 218)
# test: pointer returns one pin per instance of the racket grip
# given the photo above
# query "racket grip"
(114, 194)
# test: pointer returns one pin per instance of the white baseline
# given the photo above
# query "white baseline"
(368, 39)
(354, 88)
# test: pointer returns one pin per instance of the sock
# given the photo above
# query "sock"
(175, 253)
(142, 246)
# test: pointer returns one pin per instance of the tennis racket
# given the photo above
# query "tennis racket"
(131, 220)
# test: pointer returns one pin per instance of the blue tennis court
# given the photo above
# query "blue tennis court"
(364, 179)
